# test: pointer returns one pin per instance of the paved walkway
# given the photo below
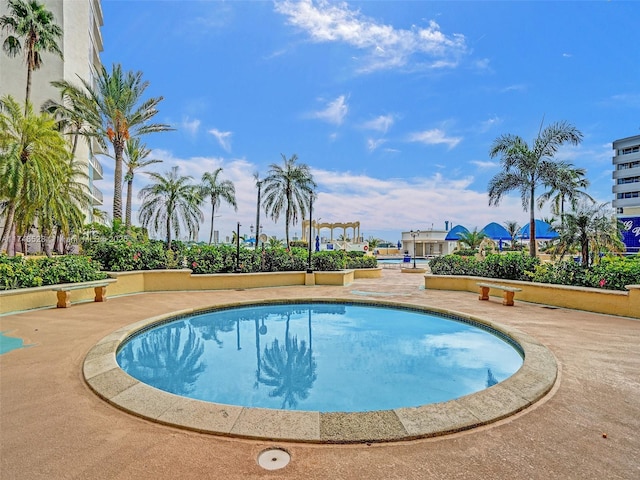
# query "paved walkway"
(53, 427)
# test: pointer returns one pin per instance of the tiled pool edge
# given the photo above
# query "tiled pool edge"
(529, 384)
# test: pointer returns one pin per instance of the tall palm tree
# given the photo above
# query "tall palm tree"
(566, 186)
(31, 28)
(62, 212)
(288, 187)
(526, 168)
(136, 158)
(513, 228)
(256, 177)
(590, 227)
(170, 202)
(217, 191)
(115, 111)
(68, 111)
(33, 158)
(472, 239)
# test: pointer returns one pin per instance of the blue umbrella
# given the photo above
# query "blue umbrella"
(454, 234)
(495, 231)
(399, 245)
(543, 231)
(317, 243)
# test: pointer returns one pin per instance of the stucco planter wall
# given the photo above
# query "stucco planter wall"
(597, 300)
(175, 280)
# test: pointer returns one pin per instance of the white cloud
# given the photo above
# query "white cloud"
(385, 206)
(485, 164)
(335, 112)
(373, 144)
(434, 137)
(191, 126)
(224, 138)
(384, 46)
(489, 124)
(381, 123)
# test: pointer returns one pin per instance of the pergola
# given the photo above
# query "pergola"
(355, 226)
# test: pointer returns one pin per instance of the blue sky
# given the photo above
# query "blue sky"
(393, 104)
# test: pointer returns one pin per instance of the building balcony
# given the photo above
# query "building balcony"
(626, 187)
(626, 203)
(627, 172)
(96, 196)
(98, 174)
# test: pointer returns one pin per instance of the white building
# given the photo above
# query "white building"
(626, 175)
(81, 45)
(626, 190)
(426, 243)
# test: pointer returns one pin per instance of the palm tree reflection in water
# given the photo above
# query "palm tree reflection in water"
(169, 358)
(290, 368)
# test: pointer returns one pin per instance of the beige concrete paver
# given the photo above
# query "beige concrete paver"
(53, 426)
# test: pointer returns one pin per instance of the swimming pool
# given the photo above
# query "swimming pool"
(326, 357)
(531, 382)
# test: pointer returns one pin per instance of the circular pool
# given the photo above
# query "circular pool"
(326, 357)
(324, 372)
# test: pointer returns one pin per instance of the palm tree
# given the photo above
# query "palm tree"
(217, 191)
(170, 202)
(68, 111)
(63, 211)
(472, 239)
(590, 227)
(513, 228)
(566, 186)
(256, 177)
(33, 158)
(32, 23)
(288, 187)
(136, 154)
(525, 167)
(115, 112)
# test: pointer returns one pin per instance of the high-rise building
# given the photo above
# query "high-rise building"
(626, 190)
(81, 45)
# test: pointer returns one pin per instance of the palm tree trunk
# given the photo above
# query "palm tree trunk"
(8, 224)
(532, 224)
(128, 208)
(118, 147)
(213, 210)
(168, 231)
(258, 217)
(28, 95)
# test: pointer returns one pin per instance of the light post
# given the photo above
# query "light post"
(310, 231)
(238, 249)
(414, 235)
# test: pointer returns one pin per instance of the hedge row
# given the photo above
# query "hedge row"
(611, 273)
(20, 272)
(125, 256)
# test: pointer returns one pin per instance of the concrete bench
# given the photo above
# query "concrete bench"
(64, 295)
(509, 292)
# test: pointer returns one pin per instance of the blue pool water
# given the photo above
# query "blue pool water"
(324, 357)
(9, 343)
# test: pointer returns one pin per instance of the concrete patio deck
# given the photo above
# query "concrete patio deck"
(52, 426)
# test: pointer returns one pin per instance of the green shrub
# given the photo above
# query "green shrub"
(456, 265)
(126, 256)
(510, 266)
(329, 260)
(561, 273)
(18, 272)
(614, 273)
(466, 252)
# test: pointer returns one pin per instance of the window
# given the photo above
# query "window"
(622, 181)
(628, 150)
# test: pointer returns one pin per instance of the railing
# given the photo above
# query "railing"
(97, 167)
(97, 195)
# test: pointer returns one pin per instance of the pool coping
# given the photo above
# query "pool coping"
(535, 378)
